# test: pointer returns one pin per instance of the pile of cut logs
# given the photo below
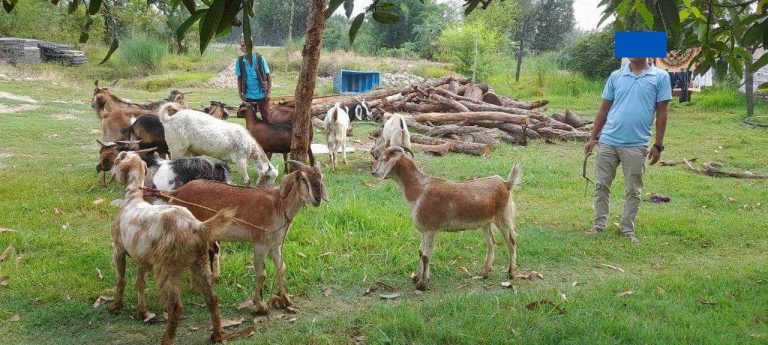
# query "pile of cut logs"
(452, 114)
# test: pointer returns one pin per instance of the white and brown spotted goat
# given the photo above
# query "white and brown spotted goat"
(271, 209)
(167, 239)
(441, 205)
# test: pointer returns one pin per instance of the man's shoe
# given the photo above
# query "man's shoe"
(632, 238)
(594, 230)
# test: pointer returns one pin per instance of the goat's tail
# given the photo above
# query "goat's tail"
(514, 177)
(166, 110)
(405, 135)
(220, 220)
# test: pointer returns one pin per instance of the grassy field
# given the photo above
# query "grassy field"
(709, 284)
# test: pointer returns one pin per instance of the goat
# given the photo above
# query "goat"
(177, 96)
(149, 132)
(362, 111)
(166, 239)
(218, 110)
(189, 131)
(336, 125)
(440, 205)
(271, 209)
(395, 133)
(272, 138)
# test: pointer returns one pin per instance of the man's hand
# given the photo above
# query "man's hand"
(654, 155)
(590, 145)
(242, 98)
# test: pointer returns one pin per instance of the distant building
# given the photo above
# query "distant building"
(759, 77)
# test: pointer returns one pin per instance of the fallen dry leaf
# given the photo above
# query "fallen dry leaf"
(302, 255)
(368, 184)
(324, 254)
(15, 318)
(99, 274)
(616, 225)
(390, 296)
(537, 304)
(563, 297)
(6, 252)
(731, 199)
(624, 293)
(506, 284)
(98, 201)
(2, 230)
(477, 277)
(327, 292)
(371, 289)
(574, 283)
(65, 226)
(615, 268)
(191, 328)
(246, 304)
(464, 271)
(703, 300)
(229, 323)
(57, 211)
(660, 290)
(292, 320)
(101, 300)
(5, 280)
(529, 275)
(291, 309)
(656, 266)
(150, 315)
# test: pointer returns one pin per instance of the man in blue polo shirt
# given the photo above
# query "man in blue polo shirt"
(622, 130)
(255, 85)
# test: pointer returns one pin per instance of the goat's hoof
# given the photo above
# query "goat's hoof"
(422, 285)
(485, 273)
(216, 337)
(261, 308)
(115, 309)
(511, 275)
(141, 315)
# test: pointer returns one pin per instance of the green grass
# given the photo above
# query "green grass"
(712, 250)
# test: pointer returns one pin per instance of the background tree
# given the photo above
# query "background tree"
(554, 22)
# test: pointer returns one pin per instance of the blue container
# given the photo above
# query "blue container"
(346, 81)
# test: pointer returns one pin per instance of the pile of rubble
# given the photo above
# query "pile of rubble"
(18, 51)
(225, 79)
(401, 79)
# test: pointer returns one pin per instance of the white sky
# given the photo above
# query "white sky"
(586, 12)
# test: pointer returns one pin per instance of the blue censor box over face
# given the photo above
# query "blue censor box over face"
(641, 44)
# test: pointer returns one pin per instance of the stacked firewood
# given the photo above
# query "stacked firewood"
(454, 114)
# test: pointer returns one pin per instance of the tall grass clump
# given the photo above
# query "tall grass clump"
(722, 96)
(140, 55)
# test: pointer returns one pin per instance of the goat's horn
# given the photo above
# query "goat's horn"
(294, 165)
(146, 150)
(128, 142)
(96, 83)
(408, 150)
(114, 82)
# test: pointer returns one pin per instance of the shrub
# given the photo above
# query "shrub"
(140, 55)
(457, 46)
(593, 56)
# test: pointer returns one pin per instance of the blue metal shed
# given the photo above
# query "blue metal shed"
(355, 81)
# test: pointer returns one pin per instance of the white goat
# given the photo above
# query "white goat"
(191, 132)
(336, 125)
(167, 239)
(440, 205)
(395, 133)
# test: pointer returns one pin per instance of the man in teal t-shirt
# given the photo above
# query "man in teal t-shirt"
(622, 130)
(254, 83)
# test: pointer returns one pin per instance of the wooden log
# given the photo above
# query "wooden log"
(413, 125)
(473, 92)
(481, 138)
(453, 86)
(713, 170)
(440, 100)
(457, 146)
(477, 116)
(559, 125)
(433, 149)
(444, 130)
(673, 162)
(411, 107)
(492, 98)
(574, 119)
(513, 129)
(509, 102)
(553, 133)
(490, 107)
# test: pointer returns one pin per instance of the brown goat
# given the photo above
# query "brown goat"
(272, 209)
(271, 137)
(440, 205)
(167, 239)
(218, 110)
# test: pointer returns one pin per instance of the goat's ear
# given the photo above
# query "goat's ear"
(305, 182)
(287, 185)
(389, 164)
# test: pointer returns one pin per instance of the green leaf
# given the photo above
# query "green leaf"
(207, 2)
(94, 6)
(8, 5)
(384, 13)
(734, 63)
(762, 61)
(228, 18)
(763, 87)
(55, 2)
(210, 22)
(643, 11)
(670, 16)
(86, 28)
(112, 48)
(332, 7)
(190, 5)
(471, 5)
(181, 31)
(356, 23)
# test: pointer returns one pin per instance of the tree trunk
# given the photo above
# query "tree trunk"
(305, 85)
(476, 116)
(749, 87)
(290, 38)
(519, 60)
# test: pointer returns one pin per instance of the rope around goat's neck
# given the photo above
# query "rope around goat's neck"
(156, 192)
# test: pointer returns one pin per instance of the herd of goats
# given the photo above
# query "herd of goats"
(177, 209)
